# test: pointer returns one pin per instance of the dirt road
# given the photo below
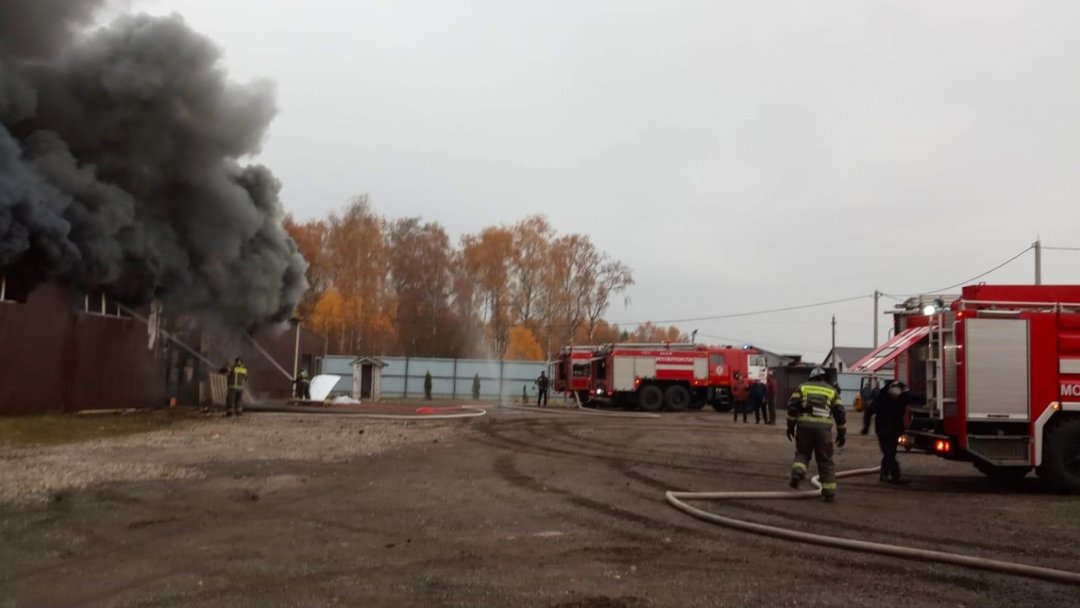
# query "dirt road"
(513, 509)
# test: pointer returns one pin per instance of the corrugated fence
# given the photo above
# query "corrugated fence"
(403, 377)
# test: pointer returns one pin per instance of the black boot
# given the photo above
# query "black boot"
(794, 480)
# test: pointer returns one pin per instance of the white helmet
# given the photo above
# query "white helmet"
(817, 374)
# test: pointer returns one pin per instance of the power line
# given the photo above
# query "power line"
(896, 297)
(974, 278)
(1048, 248)
(748, 313)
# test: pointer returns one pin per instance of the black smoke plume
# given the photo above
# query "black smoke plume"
(121, 167)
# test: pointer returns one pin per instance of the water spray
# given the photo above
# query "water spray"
(269, 358)
(169, 336)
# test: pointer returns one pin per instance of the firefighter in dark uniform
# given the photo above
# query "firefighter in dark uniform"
(890, 408)
(303, 386)
(811, 412)
(541, 389)
(236, 379)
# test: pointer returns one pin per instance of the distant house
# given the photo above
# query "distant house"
(843, 357)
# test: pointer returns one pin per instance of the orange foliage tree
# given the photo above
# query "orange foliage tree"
(523, 345)
(400, 287)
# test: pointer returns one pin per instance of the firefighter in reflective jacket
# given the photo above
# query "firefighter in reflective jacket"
(237, 378)
(811, 412)
(303, 386)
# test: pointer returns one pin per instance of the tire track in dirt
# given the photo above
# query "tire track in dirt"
(500, 438)
(832, 523)
(506, 468)
(708, 464)
(578, 445)
(716, 552)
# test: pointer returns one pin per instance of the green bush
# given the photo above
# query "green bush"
(427, 386)
(476, 386)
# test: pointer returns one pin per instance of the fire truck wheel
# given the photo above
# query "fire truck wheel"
(677, 398)
(1001, 474)
(1061, 454)
(651, 398)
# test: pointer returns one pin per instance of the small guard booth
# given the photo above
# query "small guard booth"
(367, 378)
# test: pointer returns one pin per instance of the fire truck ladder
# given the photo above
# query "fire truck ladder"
(940, 398)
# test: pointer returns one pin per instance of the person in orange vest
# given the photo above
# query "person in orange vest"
(236, 379)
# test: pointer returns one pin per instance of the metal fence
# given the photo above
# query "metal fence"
(403, 377)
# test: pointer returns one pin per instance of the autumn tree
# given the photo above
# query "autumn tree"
(400, 287)
(310, 239)
(421, 261)
(573, 268)
(328, 318)
(466, 307)
(603, 332)
(523, 345)
(532, 238)
(358, 259)
(487, 257)
(613, 278)
(647, 332)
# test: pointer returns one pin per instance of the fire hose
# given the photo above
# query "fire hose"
(957, 559)
(588, 410)
(579, 409)
(421, 413)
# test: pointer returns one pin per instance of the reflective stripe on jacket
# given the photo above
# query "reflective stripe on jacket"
(237, 376)
(817, 403)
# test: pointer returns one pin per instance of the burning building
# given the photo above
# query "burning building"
(123, 182)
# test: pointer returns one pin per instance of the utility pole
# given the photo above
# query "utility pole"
(832, 363)
(877, 296)
(1038, 261)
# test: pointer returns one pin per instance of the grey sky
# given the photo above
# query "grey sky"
(737, 155)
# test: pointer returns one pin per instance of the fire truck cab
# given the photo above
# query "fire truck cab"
(1000, 368)
(572, 373)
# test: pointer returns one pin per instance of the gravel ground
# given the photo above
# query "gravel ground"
(35, 474)
(512, 509)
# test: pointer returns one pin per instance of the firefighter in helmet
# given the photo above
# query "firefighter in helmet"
(811, 412)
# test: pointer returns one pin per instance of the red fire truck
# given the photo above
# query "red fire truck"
(672, 376)
(1000, 368)
(571, 373)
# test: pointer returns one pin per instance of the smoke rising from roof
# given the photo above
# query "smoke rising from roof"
(121, 166)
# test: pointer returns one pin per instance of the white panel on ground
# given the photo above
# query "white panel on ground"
(321, 386)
